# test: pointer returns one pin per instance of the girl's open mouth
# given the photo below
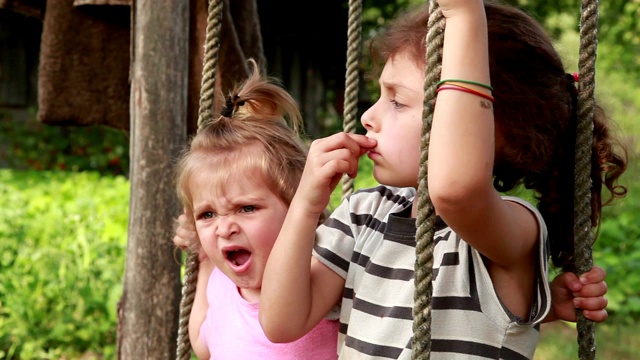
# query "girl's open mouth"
(238, 259)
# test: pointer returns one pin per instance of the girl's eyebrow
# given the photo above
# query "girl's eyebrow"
(247, 199)
(395, 85)
(199, 209)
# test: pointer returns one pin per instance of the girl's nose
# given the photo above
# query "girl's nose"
(227, 226)
(368, 119)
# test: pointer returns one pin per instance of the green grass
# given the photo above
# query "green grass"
(613, 341)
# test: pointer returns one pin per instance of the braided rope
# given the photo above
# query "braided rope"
(421, 345)
(354, 44)
(205, 116)
(188, 294)
(584, 237)
(210, 62)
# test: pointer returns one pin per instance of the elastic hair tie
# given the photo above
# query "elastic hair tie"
(576, 78)
(488, 87)
(227, 110)
(229, 107)
(467, 90)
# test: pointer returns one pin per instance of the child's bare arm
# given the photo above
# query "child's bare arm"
(297, 292)
(461, 161)
(462, 148)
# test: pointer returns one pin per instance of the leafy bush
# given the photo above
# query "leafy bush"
(62, 240)
(617, 250)
(32, 145)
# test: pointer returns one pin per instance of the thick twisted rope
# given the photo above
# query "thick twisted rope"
(421, 345)
(205, 116)
(210, 62)
(584, 236)
(188, 294)
(354, 45)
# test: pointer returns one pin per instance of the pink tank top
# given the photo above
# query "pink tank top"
(232, 330)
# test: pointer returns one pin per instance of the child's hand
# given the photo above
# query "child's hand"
(185, 235)
(569, 292)
(328, 159)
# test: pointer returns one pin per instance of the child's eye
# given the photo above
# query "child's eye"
(207, 215)
(396, 104)
(248, 208)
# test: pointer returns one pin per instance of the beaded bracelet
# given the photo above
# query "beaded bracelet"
(488, 87)
(465, 89)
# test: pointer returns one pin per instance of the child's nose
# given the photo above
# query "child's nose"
(227, 226)
(368, 119)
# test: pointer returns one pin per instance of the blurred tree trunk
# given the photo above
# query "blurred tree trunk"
(149, 307)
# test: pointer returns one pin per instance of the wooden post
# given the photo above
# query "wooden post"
(149, 308)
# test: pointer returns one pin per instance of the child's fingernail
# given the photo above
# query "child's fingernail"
(575, 286)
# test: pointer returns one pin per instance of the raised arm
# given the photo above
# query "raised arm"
(461, 153)
(297, 292)
(461, 159)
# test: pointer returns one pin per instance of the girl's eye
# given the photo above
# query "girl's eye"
(248, 208)
(207, 215)
(396, 104)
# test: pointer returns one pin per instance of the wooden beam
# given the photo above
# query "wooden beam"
(149, 307)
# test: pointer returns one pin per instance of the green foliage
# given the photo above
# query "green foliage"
(619, 94)
(617, 250)
(62, 241)
(33, 145)
(618, 27)
(617, 91)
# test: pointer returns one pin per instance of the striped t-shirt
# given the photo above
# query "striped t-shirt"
(369, 240)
